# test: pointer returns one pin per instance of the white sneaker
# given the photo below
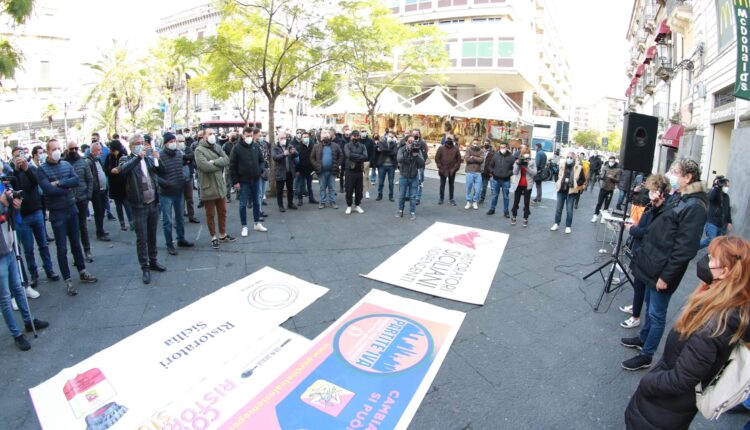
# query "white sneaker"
(359, 210)
(259, 227)
(348, 210)
(475, 206)
(244, 231)
(567, 230)
(555, 227)
(603, 220)
(594, 218)
(468, 205)
(628, 309)
(32, 293)
(631, 322)
(367, 194)
(13, 303)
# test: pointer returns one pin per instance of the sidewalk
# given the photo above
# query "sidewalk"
(535, 356)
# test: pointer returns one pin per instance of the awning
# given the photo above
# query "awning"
(634, 81)
(650, 54)
(629, 91)
(672, 136)
(640, 70)
(663, 32)
(438, 103)
(346, 104)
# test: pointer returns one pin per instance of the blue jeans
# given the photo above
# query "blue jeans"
(382, 172)
(652, 328)
(712, 231)
(409, 185)
(65, 225)
(300, 182)
(32, 227)
(327, 187)
(373, 174)
(172, 205)
(249, 191)
(473, 186)
(263, 186)
(497, 185)
(566, 200)
(10, 285)
(621, 198)
(421, 181)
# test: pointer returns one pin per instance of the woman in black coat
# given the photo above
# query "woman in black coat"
(714, 320)
(117, 183)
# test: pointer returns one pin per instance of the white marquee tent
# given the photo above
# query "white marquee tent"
(346, 104)
(438, 103)
(497, 106)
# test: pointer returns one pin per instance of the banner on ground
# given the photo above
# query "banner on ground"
(370, 369)
(446, 260)
(125, 382)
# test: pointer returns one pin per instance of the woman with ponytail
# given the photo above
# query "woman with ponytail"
(714, 321)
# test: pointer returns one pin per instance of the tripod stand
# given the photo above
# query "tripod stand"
(11, 227)
(614, 262)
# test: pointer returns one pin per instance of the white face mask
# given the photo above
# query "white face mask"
(56, 154)
(180, 146)
(172, 145)
(282, 142)
(249, 140)
(725, 190)
(211, 139)
(42, 158)
(653, 195)
(612, 164)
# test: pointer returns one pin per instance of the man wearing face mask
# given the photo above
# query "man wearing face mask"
(671, 242)
(409, 162)
(424, 151)
(342, 139)
(210, 160)
(448, 161)
(486, 171)
(541, 163)
(719, 211)
(58, 181)
(83, 193)
(286, 157)
(501, 168)
(370, 147)
(387, 153)
(140, 172)
(188, 160)
(356, 155)
(610, 177)
(99, 194)
(474, 159)
(570, 183)
(326, 158)
(246, 164)
(303, 175)
(171, 192)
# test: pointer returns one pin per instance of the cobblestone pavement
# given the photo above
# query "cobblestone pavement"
(535, 356)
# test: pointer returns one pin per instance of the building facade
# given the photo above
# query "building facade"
(512, 45)
(292, 109)
(683, 69)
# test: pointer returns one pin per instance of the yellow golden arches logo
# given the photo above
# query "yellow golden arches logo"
(726, 15)
(742, 3)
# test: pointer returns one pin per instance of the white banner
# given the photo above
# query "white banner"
(446, 260)
(122, 385)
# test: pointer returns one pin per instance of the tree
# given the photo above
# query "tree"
(587, 138)
(49, 112)
(10, 57)
(172, 67)
(325, 88)
(385, 51)
(614, 140)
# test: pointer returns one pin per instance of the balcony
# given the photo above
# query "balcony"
(679, 14)
(649, 80)
(641, 37)
(663, 62)
(649, 16)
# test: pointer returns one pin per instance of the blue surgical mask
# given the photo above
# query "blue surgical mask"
(138, 149)
(306, 140)
(674, 182)
(42, 158)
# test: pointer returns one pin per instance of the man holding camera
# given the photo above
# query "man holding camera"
(58, 181)
(32, 221)
(409, 162)
(719, 221)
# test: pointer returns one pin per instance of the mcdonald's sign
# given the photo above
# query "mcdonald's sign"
(742, 81)
(725, 23)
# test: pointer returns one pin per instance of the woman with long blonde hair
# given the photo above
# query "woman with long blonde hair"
(714, 321)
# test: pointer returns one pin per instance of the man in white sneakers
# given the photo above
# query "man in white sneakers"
(246, 163)
(355, 155)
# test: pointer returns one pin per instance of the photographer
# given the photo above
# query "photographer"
(524, 171)
(409, 162)
(10, 278)
(32, 221)
(719, 221)
(387, 150)
(595, 168)
(611, 173)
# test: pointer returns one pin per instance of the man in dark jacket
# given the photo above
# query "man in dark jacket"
(501, 168)
(326, 159)
(387, 150)
(611, 173)
(83, 193)
(246, 163)
(367, 165)
(541, 164)
(303, 175)
(140, 172)
(58, 180)
(719, 211)
(342, 139)
(286, 158)
(171, 192)
(409, 162)
(424, 151)
(486, 172)
(356, 155)
(660, 262)
(189, 161)
(624, 185)
(100, 190)
(595, 167)
(32, 221)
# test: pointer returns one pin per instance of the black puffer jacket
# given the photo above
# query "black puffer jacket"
(719, 208)
(172, 179)
(501, 165)
(409, 164)
(665, 398)
(246, 163)
(672, 239)
(305, 167)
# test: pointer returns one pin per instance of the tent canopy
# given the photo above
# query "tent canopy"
(345, 104)
(438, 103)
(497, 106)
(391, 102)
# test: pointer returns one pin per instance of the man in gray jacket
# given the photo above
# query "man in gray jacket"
(82, 193)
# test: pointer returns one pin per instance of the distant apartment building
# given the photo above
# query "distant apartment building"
(606, 114)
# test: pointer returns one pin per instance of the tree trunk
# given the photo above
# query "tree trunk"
(272, 142)
(373, 123)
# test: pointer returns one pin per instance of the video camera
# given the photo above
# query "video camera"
(720, 180)
(12, 183)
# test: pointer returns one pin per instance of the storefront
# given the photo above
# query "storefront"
(722, 124)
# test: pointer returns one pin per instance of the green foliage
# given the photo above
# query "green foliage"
(18, 10)
(614, 141)
(11, 57)
(325, 88)
(587, 138)
(49, 112)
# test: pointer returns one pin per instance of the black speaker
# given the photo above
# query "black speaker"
(638, 142)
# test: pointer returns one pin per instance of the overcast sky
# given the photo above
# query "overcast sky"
(593, 32)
